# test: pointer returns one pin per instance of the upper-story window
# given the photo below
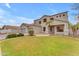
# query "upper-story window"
(51, 18)
(44, 20)
(39, 22)
(59, 15)
(63, 14)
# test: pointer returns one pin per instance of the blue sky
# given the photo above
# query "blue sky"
(17, 13)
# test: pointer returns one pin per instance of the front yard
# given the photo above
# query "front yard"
(40, 46)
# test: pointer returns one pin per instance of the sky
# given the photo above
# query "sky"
(18, 13)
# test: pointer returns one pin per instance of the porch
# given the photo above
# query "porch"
(56, 29)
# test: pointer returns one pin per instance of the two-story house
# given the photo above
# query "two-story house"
(54, 24)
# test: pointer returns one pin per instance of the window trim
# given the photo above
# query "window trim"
(59, 28)
(44, 20)
(52, 18)
(39, 22)
(44, 29)
(63, 14)
(59, 15)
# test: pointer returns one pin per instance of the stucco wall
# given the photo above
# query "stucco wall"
(37, 29)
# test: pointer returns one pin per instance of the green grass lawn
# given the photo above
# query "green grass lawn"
(40, 46)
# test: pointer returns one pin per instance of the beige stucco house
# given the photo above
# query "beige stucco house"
(54, 24)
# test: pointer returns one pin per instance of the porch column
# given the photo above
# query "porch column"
(66, 31)
(47, 30)
(55, 29)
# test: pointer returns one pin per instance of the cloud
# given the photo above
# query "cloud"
(24, 19)
(7, 18)
(8, 5)
(2, 12)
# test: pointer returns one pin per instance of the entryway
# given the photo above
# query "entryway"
(51, 30)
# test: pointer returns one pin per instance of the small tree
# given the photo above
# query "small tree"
(49, 22)
(12, 35)
(31, 32)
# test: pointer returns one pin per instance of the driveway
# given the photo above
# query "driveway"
(2, 36)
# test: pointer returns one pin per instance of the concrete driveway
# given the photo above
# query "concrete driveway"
(3, 36)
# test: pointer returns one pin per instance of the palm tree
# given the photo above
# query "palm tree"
(49, 24)
(70, 26)
(76, 27)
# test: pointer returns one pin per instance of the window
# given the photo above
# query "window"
(59, 15)
(63, 14)
(44, 29)
(51, 18)
(39, 22)
(60, 28)
(44, 20)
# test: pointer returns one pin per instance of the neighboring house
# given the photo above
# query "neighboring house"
(10, 29)
(26, 27)
(54, 24)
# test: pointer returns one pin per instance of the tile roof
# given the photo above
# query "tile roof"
(28, 25)
(10, 27)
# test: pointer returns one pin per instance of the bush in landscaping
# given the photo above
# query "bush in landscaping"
(12, 35)
(20, 34)
(31, 32)
(15, 35)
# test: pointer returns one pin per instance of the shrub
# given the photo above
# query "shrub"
(15, 35)
(31, 32)
(20, 34)
(12, 36)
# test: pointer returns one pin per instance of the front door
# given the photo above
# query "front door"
(51, 29)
